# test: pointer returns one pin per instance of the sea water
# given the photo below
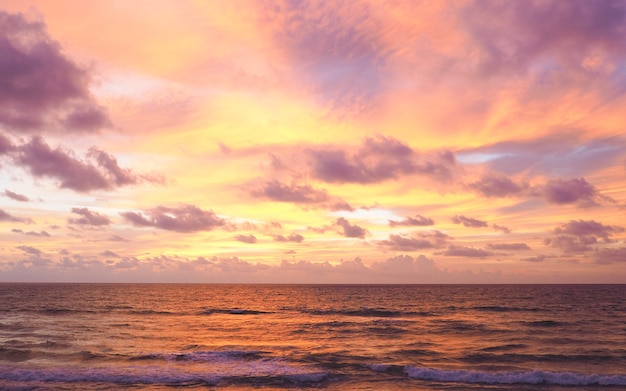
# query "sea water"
(329, 337)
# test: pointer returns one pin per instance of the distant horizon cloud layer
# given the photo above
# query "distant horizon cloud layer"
(346, 142)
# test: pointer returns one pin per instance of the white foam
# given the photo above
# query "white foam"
(519, 377)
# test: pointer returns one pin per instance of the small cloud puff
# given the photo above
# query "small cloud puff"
(88, 218)
(408, 221)
(15, 196)
(468, 221)
(184, 218)
(350, 230)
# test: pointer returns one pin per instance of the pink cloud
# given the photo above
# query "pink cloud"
(15, 196)
(468, 221)
(40, 87)
(350, 230)
(462, 251)
(246, 238)
(409, 221)
(497, 186)
(184, 218)
(88, 218)
(290, 238)
(508, 246)
(72, 173)
(4, 216)
(376, 160)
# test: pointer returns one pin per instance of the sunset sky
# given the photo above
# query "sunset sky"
(313, 141)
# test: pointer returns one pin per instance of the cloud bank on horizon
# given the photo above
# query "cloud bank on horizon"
(280, 141)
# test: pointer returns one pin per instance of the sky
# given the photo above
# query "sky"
(313, 142)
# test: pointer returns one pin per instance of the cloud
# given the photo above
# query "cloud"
(408, 221)
(88, 218)
(538, 258)
(559, 191)
(419, 241)
(82, 176)
(31, 233)
(184, 218)
(607, 256)
(302, 194)
(116, 238)
(377, 160)
(4, 216)
(15, 196)
(109, 253)
(588, 228)
(40, 87)
(572, 244)
(335, 50)
(462, 251)
(246, 238)
(497, 186)
(297, 238)
(30, 250)
(548, 31)
(562, 152)
(6, 145)
(508, 246)
(349, 230)
(578, 236)
(501, 228)
(469, 222)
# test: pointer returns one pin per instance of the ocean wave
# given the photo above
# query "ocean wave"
(233, 311)
(514, 377)
(370, 312)
(266, 373)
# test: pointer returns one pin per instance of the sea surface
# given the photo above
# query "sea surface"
(326, 337)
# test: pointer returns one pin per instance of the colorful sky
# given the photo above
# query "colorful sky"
(313, 141)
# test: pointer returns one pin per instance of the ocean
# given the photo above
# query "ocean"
(326, 337)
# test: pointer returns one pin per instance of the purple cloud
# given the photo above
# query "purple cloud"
(579, 235)
(15, 196)
(377, 160)
(6, 145)
(349, 230)
(184, 218)
(116, 238)
(501, 228)
(606, 256)
(418, 241)
(88, 218)
(43, 161)
(302, 194)
(40, 88)
(4, 216)
(297, 238)
(118, 176)
(538, 258)
(572, 244)
(336, 50)
(408, 221)
(508, 246)
(548, 31)
(560, 153)
(31, 233)
(246, 238)
(30, 250)
(468, 221)
(462, 251)
(559, 191)
(588, 228)
(497, 186)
